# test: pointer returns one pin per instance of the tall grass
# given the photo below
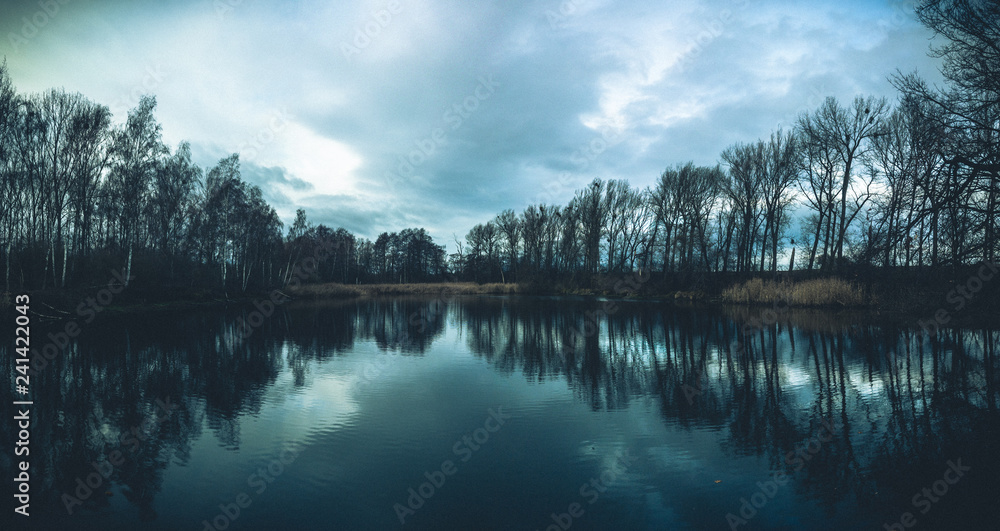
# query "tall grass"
(816, 292)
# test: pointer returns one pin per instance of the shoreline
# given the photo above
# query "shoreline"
(894, 301)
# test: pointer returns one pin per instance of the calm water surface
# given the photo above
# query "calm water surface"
(494, 413)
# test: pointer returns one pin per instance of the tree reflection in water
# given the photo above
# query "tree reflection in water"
(902, 404)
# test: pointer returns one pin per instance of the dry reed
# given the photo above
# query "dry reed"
(816, 292)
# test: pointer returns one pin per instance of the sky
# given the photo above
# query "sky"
(382, 115)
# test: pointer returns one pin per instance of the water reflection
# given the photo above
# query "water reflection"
(904, 405)
(762, 383)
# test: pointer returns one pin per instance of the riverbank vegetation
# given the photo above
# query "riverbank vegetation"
(816, 292)
(874, 190)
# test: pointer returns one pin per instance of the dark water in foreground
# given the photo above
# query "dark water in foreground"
(499, 413)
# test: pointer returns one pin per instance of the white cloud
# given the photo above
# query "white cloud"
(325, 163)
(680, 80)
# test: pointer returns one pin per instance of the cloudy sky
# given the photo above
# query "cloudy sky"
(381, 115)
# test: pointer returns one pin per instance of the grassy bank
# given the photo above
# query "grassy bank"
(809, 293)
(970, 290)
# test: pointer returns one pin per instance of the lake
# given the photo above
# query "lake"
(496, 413)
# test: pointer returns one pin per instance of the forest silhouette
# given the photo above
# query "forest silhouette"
(870, 185)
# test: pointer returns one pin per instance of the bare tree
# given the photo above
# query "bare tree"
(746, 177)
(174, 185)
(969, 106)
(136, 149)
(846, 131)
(510, 228)
(592, 213)
(781, 173)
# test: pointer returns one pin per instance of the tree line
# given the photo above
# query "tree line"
(870, 183)
(80, 195)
